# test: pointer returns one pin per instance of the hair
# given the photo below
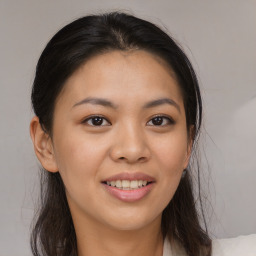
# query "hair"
(53, 232)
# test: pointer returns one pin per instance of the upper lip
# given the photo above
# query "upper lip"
(130, 176)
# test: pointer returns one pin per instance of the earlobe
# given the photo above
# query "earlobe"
(43, 146)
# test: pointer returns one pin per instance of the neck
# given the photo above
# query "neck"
(107, 241)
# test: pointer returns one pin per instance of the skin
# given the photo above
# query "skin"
(127, 141)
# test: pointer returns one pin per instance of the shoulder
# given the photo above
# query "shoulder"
(241, 245)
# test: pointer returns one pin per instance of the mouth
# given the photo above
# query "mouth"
(129, 187)
(127, 184)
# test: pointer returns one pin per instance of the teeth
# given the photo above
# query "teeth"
(127, 184)
(118, 183)
(134, 184)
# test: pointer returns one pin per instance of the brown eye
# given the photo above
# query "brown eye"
(96, 121)
(161, 121)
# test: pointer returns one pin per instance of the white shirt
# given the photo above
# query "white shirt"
(239, 246)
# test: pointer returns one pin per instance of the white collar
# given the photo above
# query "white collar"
(167, 251)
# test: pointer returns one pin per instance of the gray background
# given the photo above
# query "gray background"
(220, 39)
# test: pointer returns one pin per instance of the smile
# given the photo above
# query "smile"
(129, 187)
(128, 184)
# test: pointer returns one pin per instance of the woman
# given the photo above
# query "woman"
(118, 113)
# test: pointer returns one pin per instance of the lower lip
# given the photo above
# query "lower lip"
(129, 195)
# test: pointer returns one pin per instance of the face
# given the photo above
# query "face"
(119, 124)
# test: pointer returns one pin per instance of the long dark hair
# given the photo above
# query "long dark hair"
(53, 231)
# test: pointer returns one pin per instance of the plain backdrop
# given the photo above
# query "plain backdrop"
(220, 39)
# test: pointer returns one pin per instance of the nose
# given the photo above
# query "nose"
(130, 145)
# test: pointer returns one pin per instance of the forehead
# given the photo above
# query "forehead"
(122, 74)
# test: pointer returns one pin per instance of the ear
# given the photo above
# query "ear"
(43, 145)
(191, 137)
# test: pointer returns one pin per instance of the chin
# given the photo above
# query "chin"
(129, 222)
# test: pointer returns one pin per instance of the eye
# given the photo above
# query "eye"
(161, 121)
(96, 121)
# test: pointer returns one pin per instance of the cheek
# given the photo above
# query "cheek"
(171, 154)
(78, 158)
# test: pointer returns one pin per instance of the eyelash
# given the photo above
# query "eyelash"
(169, 120)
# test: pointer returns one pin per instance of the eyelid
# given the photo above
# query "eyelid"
(170, 119)
(93, 116)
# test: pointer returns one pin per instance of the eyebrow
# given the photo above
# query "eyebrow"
(107, 103)
(96, 101)
(162, 101)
